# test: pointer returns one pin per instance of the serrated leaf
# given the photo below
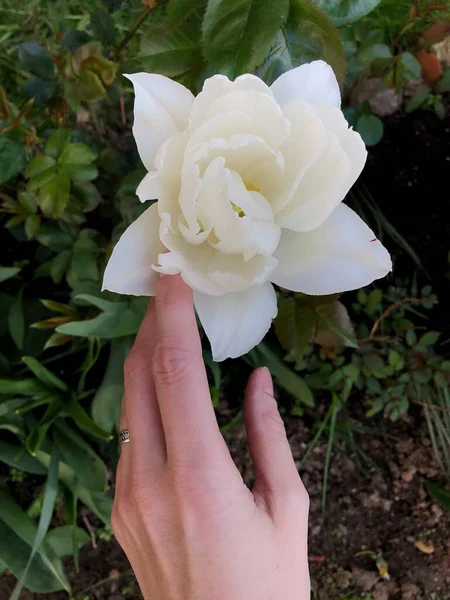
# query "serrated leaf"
(179, 10)
(175, 54)
(237, 34)
(77, 154)
(57, 141)
(38, 165)
(308, 35)
(344, 12)
(54, 196)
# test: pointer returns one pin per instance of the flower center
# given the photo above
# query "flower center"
(237, 209)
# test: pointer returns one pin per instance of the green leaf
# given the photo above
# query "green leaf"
(418, 99)
(44, 375)
(8, 272)
(35, 59)
(370, 129)
(262, 355)
(22, 387)
(344, 12)
(42, 179)
(308, 35)
(102, 27)
(98, 502)
(36, 437)
(54, 196)
(82, 419)
(175, 54)
(438, 494)
(81, 172)
(40, 90)
(57, 142)
(48, 504)
(333, 318)
(367, 55)
(237, 34)
(16, 320)
(444, 82)
(120, 319)
(12, 159)
(60, 539)
(429, 338)
(23, 528)
(38, 165)
(179, 10)
(107, 402)
(16, 456)
(440, 110)
(88, 466)
(77, 154)
(412, 68)
(32, 224)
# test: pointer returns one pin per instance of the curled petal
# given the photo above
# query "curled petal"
(129, 270)
(314, 82)
(236, 322)
(150, 187)
(161, 108)
(342, 254)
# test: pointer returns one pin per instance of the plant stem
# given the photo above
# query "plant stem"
(130, 34)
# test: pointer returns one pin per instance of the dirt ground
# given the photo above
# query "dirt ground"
(379, 511)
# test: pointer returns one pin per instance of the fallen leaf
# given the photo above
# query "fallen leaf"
(423, 547)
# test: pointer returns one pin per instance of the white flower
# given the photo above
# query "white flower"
(249, 181)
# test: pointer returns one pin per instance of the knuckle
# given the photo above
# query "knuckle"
(170, 362)
(135, 365)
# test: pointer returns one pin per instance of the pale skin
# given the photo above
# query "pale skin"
(189, 525)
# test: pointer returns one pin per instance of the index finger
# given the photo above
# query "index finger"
(189, 422)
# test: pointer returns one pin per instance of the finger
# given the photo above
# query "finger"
(147, 444)
(190, 425)
(275, 471)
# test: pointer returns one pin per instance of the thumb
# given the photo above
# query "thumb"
(276, 476)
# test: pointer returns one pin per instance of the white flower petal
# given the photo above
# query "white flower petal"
(319, 191)
(129, 270)
(235, 323)
(342, 254)
(350, 141)
(308, 140)
(314, 82)
(150, 187)
(219, 85)
(161, 108)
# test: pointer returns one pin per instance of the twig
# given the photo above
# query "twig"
(380, 338)
(393, 307)
(134, 29)
(436, 406)
(90, 530)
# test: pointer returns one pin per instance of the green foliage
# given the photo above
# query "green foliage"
(68, 175)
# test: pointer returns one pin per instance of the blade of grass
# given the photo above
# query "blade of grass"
(48, 505)
(334, 412)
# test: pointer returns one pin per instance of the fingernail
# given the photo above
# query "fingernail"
(267, 384)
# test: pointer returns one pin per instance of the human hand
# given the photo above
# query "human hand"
(187, 522)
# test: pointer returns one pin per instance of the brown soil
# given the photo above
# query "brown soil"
(382, 509)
